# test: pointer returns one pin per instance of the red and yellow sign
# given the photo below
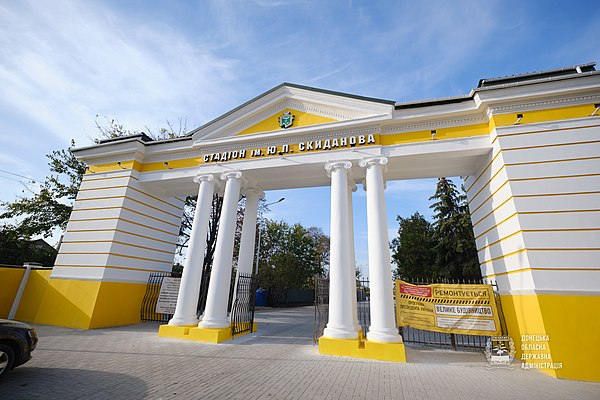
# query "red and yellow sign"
(450, 308)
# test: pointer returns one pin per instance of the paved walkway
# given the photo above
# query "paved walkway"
(279, 362)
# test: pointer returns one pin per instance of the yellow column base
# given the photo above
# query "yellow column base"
(196, 333)
(358, 348)
(175, 332)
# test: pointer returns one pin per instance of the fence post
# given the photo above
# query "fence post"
(22, 285)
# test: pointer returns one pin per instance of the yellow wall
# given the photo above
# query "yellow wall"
(10, 279)
(118, 304)
(33, 295)
(573, 327)
(300, 119)
(72, 303)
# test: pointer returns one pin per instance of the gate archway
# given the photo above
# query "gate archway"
(527, 145)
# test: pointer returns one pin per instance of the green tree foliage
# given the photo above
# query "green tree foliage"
(412, 250)
(290, 256)
(50, 206)
(455, 250)
(443, 249)
(16, 249)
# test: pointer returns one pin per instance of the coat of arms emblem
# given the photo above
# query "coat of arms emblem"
(286, 119)
(500, 352)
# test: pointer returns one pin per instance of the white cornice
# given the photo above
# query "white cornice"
(435, 124)
(544, 104)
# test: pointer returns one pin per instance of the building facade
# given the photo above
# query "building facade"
(528, 146)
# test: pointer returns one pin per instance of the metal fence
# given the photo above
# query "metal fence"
(242, 310)
(453, 340)
(321, 306)
(148, 311)
(363, 293)
(409, 335)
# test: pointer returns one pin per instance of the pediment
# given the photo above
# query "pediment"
(302, 106)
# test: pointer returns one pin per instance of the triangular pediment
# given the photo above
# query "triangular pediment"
(290, 107)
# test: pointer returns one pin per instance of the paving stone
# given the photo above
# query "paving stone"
(278, 362)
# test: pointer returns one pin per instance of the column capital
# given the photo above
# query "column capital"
(368, 162)
(231, 175)
(204, 178)
(253, 190)
(335, 165)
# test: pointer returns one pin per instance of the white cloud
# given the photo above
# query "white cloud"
(62, 63)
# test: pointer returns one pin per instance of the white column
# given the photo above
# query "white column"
(246, 257)
(215, 313)
(340, 324)
(352, 264)
(383, 322)
(189, 290)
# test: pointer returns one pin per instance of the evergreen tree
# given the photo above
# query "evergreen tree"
(413, 249)
(455, 251)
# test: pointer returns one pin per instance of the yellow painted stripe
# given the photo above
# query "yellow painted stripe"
(529, 179)
(527, 163)
(488, 198)
(536, 116)
(125, 165)
(486, 185)
(500, 120)
(538, 249)
(109, 267)
(124, 220)
(86, 179)
(542, 131)
(500, 240)
(528, 196)
(517, 271)
(120, 231)
(557, 211)
(543, 146)
(127, 209)
(114, 254)
(117, 242)
(551, 161)
(482, 172)
(555, 194)
(553, 177)
(537, 231)
(156, 198)
(491, 212)
(495, 226)
(512, 253)
(134, 189)
(454, 132)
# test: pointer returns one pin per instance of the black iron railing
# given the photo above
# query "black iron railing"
(148, 311)
(410, 335)
(363, 304)
(321, 306)
(242, 310)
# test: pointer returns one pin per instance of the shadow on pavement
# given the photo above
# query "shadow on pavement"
(64, 383)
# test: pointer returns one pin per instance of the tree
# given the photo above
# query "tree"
(456, 254)
(16, 249)
(290, 256)
(413, 248)
(51, 206)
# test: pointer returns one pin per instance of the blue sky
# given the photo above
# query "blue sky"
(146, 62)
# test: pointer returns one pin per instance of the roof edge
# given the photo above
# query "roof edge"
(291, 85)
